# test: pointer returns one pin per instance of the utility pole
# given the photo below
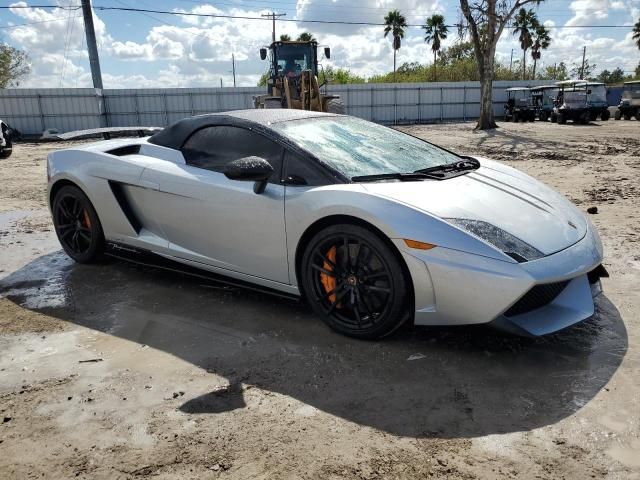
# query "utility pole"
(510, 62)
(94, 61)
(555, 71)
(233, 63)
(273, 16)
(220, 82)
(584, 53)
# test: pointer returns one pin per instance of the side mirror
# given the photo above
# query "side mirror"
(250, 169)
(327, 52)
(263, 53)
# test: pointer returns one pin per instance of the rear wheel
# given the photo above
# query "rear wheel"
(515, 117)
(77, 225)
(7, 150)
(562, 119)
(355, 282)
(335, 105)
(627, 116)
(605, 115)
(554, 117)
(617, 115)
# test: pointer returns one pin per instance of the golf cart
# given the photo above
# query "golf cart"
(543, 97)
(519, 105)
(580, 101)
(630, 103)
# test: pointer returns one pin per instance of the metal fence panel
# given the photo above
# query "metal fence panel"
(33, 110)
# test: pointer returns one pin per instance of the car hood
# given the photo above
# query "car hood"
(501, 196)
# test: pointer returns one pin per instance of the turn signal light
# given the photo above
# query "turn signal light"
(419, 245)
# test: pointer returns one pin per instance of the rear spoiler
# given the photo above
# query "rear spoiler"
(106, 132)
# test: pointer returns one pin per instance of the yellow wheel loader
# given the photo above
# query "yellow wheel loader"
(293, 79)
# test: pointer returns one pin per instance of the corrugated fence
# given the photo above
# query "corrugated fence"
(66, 109)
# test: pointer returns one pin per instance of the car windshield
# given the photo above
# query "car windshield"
(355, 147)
(598, 92)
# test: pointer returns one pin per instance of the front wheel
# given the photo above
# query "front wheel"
(617, 115)
(77, 225)
(562, 119)
(7, 149)
(355, 282)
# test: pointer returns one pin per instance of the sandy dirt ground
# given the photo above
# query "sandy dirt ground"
(120, 371)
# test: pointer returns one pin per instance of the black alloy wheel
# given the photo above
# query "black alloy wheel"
(355, 282)
(77, 225)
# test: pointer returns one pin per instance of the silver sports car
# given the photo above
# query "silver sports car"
(373, 227)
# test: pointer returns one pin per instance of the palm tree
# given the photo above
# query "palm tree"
(285, 38)
(395, 23)
(525, 21)
(306, 37)
(541, 41)
(636, 33)
(435, 31)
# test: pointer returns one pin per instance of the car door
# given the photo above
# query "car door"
(211, 219)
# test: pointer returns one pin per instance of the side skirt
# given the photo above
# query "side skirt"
(150, 259)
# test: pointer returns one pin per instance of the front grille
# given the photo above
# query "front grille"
(537, 297)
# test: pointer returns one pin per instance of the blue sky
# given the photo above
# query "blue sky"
(155, 50)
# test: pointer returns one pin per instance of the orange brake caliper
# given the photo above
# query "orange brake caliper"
(328, 282)
(86, 219)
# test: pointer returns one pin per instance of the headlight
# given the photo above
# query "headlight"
(514, 247)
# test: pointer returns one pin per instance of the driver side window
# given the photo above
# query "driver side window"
(211, 148)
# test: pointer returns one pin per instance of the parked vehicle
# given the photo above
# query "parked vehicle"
(371, 225)
(630, 104)
(543, 98)
(580, 101)
(519, 106)
(7, 137)
(293, 78)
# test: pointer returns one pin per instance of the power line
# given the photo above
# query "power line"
(331, 22)
(36, 23)
(291, 20)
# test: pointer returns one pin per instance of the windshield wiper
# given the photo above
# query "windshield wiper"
(467, 163)
(403, 177)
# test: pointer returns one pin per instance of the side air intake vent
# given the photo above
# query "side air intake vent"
(537, 297)
(124, 151)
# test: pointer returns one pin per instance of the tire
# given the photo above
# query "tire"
(637, 115)
(617, 115)
(362, 294)
(335, 105)
(515, 117)
(562, 119)
(7, 150)
(77, 225)
(605, 115)
(554, 117)
(627, 116)
(532, 116)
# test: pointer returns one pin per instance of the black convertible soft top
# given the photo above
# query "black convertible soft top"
(176, 134)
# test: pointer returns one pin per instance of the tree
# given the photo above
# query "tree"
(486, 21)
(556, 72)
(395, 23)
(14, 66)
(435, 31)
(636, 33)
(285, 38)
(541, 41)
(578, 72)
(617, 76)
(524, 24)
(306, 37)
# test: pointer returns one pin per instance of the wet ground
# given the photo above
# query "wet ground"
(123, 371)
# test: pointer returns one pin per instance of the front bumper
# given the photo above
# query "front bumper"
(458, 288)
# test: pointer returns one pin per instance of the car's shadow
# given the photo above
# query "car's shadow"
(445, 382)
